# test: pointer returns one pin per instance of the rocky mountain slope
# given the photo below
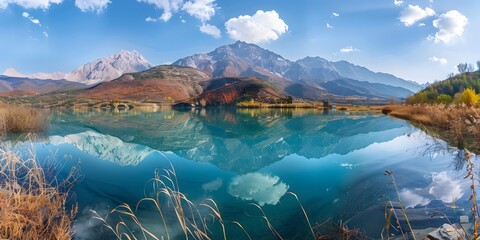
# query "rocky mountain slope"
(158, 84)
(242, 59)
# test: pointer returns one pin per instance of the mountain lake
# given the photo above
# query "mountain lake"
(244, 159)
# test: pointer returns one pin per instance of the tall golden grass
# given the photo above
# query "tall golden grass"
(32, 207)
(15, 119)
(456, 122)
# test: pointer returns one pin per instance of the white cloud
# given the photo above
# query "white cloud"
(398, 2)
(413, 13)
(149, 19)
(349, 49)
(92, 5)
(168, 6)
(450, 25)
(210, 30)
(261, 27)
(45, 34)
(200, 9)
(183, 21)
(32, 19)
(441, 60)
(329, 26)
(43, 4)
(421, 24)
(335, 14)
(261, 188)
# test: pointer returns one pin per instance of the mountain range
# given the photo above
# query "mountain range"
(100, 70)
(243, 59)
(227, 74)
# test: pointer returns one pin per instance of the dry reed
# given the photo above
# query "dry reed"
(456, 122)
(31, 207)
(17, 119)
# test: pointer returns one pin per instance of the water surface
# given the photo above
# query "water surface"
(333, 161)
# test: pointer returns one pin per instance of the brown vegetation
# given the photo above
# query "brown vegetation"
(17, 119)
(459, 123)
(31, 207)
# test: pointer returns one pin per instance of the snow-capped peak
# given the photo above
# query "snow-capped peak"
(109, 68)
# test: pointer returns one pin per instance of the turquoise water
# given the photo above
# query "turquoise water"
(333, 161)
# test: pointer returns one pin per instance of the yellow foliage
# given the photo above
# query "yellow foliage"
(469, 97)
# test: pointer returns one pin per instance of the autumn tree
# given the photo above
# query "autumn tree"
(469, 97)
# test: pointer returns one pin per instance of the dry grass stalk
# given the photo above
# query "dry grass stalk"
(459, 122)
(30, 206)
(473, 196)
(402, 207)
(16, 119)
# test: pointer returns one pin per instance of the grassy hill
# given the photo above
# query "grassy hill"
(448, 90)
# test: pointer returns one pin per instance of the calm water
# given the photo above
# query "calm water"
(333, 161)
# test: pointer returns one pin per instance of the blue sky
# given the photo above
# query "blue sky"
(420, 40)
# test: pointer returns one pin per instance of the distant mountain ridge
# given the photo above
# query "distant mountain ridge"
(244, 59)
(34, 86)
(239, 70)
(100, 70)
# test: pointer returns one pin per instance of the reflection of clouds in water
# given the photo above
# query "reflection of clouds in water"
(261, 188)
(105, 147)
(411, 198)
(443, 187)
(213, 185)
(348, 165)
(85, 226)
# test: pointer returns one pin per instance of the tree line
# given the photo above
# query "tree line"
(460, 88)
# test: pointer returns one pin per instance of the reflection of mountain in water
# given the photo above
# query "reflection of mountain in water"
(236, 139)
(105, 147)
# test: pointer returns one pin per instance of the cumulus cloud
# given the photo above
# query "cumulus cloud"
(263, 189)
(398, 2)
(450, 25)
(349, 49)
(329, 26)
(200, 9)
(441, 60)
(335, 14)
(414, 13)
(32, 19)
(168, 6)
(43, 4)
(210, 30)
(92, 5)
(261, 27)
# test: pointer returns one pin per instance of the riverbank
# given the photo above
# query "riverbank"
(458, 124)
